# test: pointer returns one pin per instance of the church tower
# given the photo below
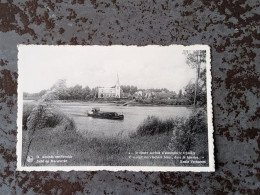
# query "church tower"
(118, 89)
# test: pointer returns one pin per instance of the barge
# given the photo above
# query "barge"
(96, 113)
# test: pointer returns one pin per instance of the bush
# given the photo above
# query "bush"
(153, 126)
(188, 134)
(197, 122)
(44, 116)
(191, 134)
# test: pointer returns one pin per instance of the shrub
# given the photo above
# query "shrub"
(191, 134)
(153, 126)
(182, 139)
(197, 122)
(44, 115)
(188, 134)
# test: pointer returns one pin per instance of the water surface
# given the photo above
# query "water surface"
(134, 115)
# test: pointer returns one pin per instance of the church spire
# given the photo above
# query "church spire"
(118, 90)
(117, 82)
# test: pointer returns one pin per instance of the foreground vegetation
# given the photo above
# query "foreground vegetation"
(48, 131)
(89, 151)
(187, 134)
(63, 139)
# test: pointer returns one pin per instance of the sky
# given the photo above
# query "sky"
(40, 67)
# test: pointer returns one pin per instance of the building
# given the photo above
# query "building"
(110, 92)
(138, 94)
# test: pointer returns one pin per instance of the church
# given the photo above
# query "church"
(110, 92)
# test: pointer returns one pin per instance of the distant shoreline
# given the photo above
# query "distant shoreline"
(117, 103)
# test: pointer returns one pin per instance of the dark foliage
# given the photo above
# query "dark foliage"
(191, 134)
(201, 96)
(187, 134)
(43, 116)
(27, 109)
(154, 126)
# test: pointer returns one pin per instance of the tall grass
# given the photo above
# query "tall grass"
(37, 118)
(96, 151)
(155, 126)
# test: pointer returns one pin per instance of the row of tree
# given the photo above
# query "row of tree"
(159, 96)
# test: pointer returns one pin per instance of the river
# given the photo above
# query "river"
(133, 116)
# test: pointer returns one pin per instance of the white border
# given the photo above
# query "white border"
(210, 168)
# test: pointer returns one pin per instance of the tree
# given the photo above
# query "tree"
(201, 93)
(55, 91)
(180, 94)
(129, 89)
(76, 92)
(94, 93)
(194, 60)
(86, 93)
(132, 90)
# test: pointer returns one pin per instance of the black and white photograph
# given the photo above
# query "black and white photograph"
(115, 108)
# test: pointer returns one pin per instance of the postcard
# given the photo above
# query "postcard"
(116, 108)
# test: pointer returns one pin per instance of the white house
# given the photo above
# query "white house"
(110, 92)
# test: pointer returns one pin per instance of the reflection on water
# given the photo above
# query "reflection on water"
(134, 115)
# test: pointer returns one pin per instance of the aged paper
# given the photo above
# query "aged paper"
(115, 108)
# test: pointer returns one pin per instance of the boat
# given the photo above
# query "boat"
(96, 113)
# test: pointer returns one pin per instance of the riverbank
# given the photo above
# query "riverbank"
(116, 102)
(120, 103)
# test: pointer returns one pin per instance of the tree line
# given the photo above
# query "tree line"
(157, 96)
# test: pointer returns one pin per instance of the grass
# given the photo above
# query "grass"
(155, 126)
(113, 151)
(153, 135)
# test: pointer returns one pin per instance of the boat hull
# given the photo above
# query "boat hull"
(106, 116)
